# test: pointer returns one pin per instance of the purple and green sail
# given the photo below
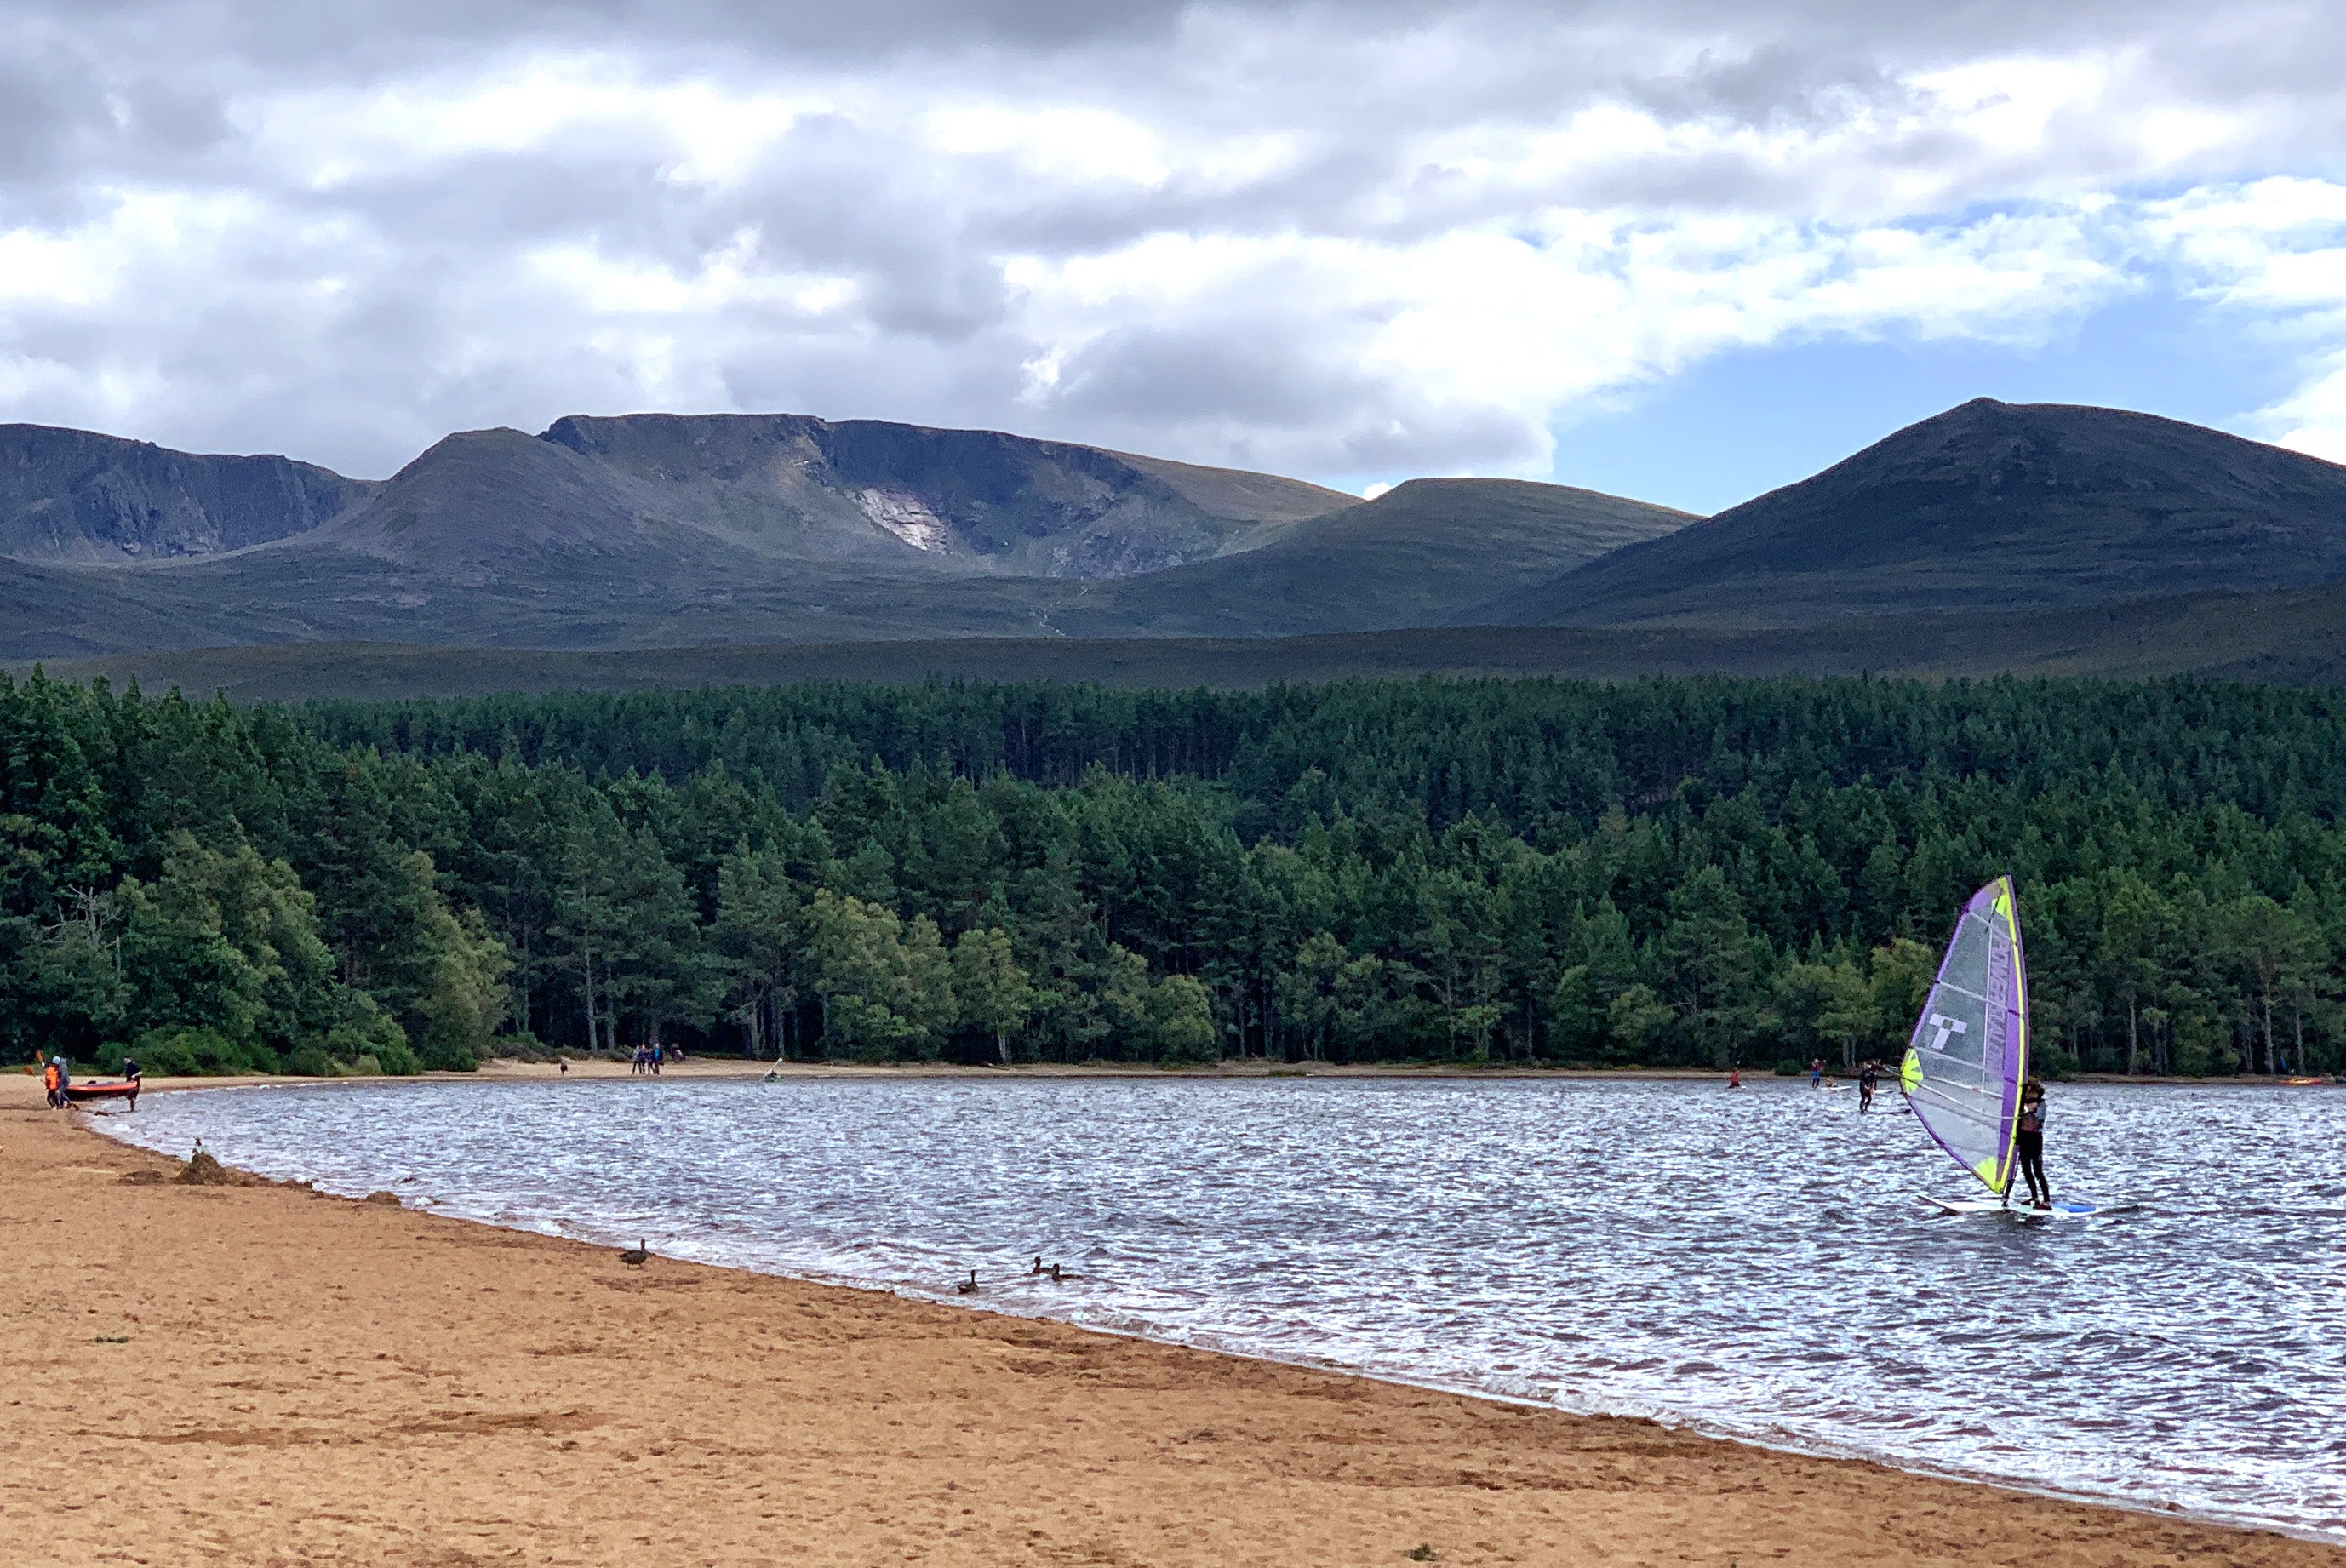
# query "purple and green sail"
(1969, 1056)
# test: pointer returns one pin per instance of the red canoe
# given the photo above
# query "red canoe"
(123, 1091)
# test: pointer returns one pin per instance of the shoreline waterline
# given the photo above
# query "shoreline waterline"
(501, 1070)
(464, 1387)
(1740, 1400)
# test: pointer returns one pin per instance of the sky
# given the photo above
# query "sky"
(1681, 250)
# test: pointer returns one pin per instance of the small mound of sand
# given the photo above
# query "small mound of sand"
(205, 1171)
(390, 1198)
(142, 1178)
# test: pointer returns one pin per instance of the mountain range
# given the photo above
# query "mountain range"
(665, 529)
(1962, 543)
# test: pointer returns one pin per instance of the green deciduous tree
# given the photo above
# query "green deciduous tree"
(991, 988)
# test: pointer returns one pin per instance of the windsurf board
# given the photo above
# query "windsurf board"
(2063, 1208)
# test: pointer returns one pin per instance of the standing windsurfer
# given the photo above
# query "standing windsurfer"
(1867, 1077)
(2028, 1143)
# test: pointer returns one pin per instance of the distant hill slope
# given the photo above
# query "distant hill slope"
(957, 500)
(72, 496)
(495, 538)
(863, 493)
(487, 499)
(2291, 638)
(1990, 505)
(1413, 557)
(1236, 493)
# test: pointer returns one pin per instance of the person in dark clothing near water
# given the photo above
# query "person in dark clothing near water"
(2028, 1143)
(1867, 1077)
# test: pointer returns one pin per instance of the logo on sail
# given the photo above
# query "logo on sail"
(1946, 1027)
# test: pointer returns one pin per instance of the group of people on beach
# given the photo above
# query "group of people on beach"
(650, 1058)
(57, 1078)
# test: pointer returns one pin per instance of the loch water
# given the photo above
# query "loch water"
(1755, 1262)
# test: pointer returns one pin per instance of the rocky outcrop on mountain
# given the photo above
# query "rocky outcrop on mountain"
(75, 496)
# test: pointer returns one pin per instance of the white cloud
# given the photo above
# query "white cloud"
(1348, 242)
(2271, 257)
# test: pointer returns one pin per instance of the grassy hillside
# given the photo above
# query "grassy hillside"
(2296, 637)
(1989, 506)
(1236, 493)
(573, 563)
(1412, 557)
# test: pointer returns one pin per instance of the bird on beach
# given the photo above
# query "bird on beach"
(967, 1286)
(639, 1253)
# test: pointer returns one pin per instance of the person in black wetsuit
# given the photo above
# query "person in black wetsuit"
(1867, 1077)
(2028, 1143)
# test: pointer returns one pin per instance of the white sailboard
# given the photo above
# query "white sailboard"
(2062, 1208)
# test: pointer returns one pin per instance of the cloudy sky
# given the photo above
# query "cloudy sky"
(1685, 250)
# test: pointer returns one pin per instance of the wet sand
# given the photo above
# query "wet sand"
(257, 1375)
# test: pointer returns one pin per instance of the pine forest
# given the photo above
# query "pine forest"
(1669, 873)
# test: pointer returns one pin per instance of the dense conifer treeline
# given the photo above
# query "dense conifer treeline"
(1685, 872)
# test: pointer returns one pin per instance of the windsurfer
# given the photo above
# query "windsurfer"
(2028, 1143)
(1867, 1077)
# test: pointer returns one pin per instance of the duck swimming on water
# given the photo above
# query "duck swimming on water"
(967, 1286)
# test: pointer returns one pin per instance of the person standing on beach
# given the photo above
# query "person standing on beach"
(52, 1083)
(2028, 1143)
(64, 1079)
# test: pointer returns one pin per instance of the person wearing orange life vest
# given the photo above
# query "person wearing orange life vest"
(53, 1079)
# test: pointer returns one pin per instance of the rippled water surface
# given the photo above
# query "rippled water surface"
(1752, 1261)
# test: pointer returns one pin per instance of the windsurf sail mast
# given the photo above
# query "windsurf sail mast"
(1969, 1054)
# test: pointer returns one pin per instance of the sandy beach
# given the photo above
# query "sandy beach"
(260, 1375)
